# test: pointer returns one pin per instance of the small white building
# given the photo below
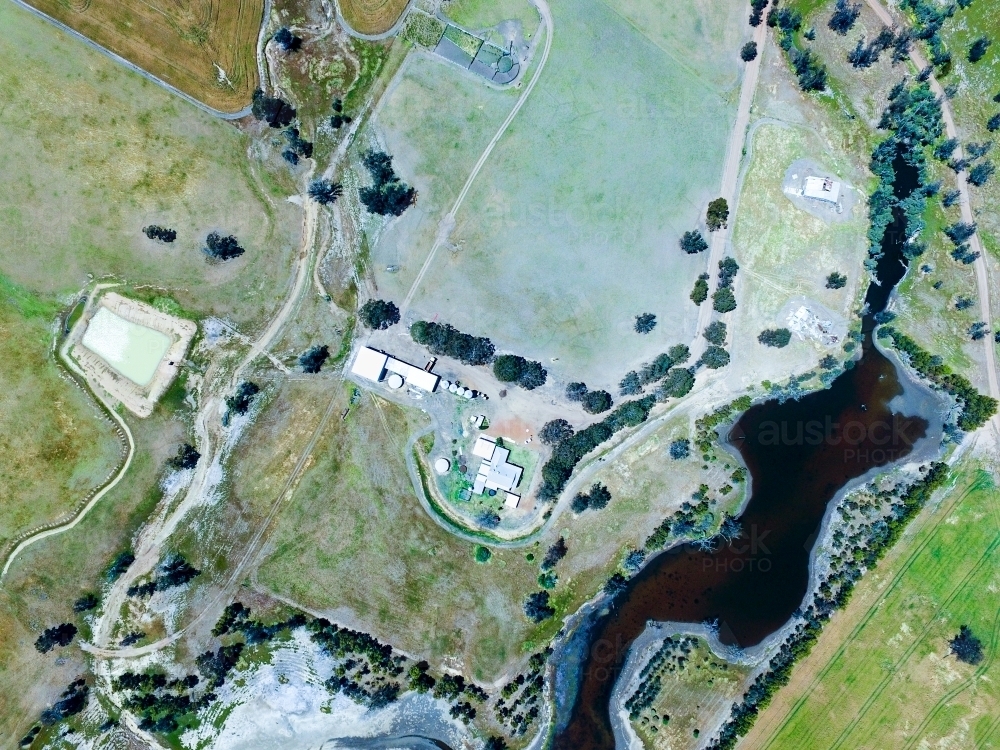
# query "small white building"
(822, 189)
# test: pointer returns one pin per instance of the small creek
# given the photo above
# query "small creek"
(799, 454)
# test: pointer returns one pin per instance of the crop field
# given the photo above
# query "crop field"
(483, 14)
(205, 48)
(372, 16)
(881, 674)
(547, 255)
(57, 445)
(41, 586)
(106, 153)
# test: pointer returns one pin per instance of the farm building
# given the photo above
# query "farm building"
(373, 365)
(821, 189)
(495, 473)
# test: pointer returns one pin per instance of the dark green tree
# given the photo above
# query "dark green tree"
(325, 192)
(715, 357)
(596, 402)
(645, 323)
(723, 300)
(748, 53)
(378, 314)
(312, 360)
(700, 292)
(715, 333)
(718, 214)
(836, 281)
(693, 243)
(977, 51)
(776, 337)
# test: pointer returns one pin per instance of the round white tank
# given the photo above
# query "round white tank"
(395, 381)
(442, 465)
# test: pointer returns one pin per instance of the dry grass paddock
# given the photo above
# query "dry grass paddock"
(372, 16)
(205, 48)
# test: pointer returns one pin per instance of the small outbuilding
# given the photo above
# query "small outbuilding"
(822, 189)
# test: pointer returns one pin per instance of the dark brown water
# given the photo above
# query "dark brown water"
(799, 455)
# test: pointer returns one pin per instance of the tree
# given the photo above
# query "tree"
(978, 49)
(488, 518)
(680, 449)
(555, 553)
(378, 314)
(844, 16)
(950, 197)
(186, 458)
(596, 402)
(290, 156)
(72, 701)
(600, 496)
(60, 635)
(828, 362)
(388, 195)
(580, 502)
(298, 145)
(510, 368)
(715, 357)
(239, 402)
(86, 603)
(810, 72)
(630, 385)
(836, 281)
(287, 40)
(325, 192)
(276, 112)
(445, 340)
(222, 248)
(645, 323)
(118, 566)
(554, 431)
(980, 174)
(537, 607)
(693, 243)
(576, 391)
(966, 646)
(993, 124)
(162, 234)
(963, 303)
(482, 554)
(960, 231)
(756, 11)
(944, 150)
(700, 292)
(312, 360)
(633, 560)
(776, 337)
(749, 52)
(723, 300)
(715, 333)
(718, 214)
(495, 743)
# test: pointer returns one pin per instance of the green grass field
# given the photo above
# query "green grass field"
(483, 14)
(881, 675)
(57, 445)
(93, 153)
(571, 228)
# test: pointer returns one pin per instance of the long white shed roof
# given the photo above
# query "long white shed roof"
(369, 364)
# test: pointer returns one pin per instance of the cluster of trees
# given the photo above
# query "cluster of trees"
(160, 702)
(511, 368)
(162, 234)
(845, 14)
(285, 39)
(963, 303)
(236, 618)
(523, 707)
(186, 458)
(717, 214)
(809, 71)
(966, 646)
(239, 402)
(222, 248)
(445, 340)
(757, 11)
(312, 359)
(693, 243)
(378, 314)
(325, 191)
(537, 607)
(866, 55)
(275, 111)
(645, 323)
(958, 233)
(975, 407)
(776, 337)
(836, 281)
(802, 638)
(339, 118)
(342, 642)
(723, 299)
(593, 402)
(72, 701)
(663, 366)
(554, 554)
(388, 195)
(598, 499)
(930, 16)
(58, 635)
(297, 147)
(700, 291)
(173, 571)
(554, 431)
(978, 331)
(570, 450)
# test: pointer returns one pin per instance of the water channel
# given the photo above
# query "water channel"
(799, 455)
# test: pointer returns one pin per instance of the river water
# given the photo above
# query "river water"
(799, 454)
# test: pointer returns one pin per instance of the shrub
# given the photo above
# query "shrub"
(554, 431)
(378, 314)
(488, 518)
(86, 603)
(240, 401)
(162, 234)
(645, 323)
(222, 248)
(993, 124)
(749, 52)
(693, 243)
(118, 566)
(715, 333)
(680, 449)
(596, 402)
(482, 554)
(72, 701)
(718, 214)
(776, 337)
(287, 40)
(715, 357)
(313, 359)
(836, 281)
(186, 458)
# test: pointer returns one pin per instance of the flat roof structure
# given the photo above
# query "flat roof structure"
(495, 473)
(484, 448)
(822, 188)
(369, 364)
(512, 500)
